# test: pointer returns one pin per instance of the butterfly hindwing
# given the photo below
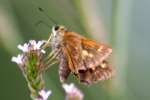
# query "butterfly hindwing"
(101, 72)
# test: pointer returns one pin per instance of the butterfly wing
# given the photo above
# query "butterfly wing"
(87, 59)
(100, 73)
(94, 53)
(73, 48)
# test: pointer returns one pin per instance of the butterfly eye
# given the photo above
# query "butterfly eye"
(56, 28)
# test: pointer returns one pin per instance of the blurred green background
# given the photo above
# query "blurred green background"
(124, 24)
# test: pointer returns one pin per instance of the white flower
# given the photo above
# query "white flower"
(44, 95)
(24, 47)
(32, 45)
(39, 44)
(17, 59)
(73, 92)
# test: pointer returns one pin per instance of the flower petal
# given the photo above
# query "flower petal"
(39, 44)
(24, 48)
(73, 92)
(45, 94)
(17, 59)
(68, 88)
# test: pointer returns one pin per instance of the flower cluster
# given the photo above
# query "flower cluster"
(32, 64)
(27, 48)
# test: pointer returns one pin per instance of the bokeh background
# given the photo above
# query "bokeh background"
(123, 24)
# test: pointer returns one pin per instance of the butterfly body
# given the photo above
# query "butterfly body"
(83, 57)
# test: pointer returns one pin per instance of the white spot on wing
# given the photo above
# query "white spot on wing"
(103, 65)
(90, 55)
(84, 52)
(100, 49)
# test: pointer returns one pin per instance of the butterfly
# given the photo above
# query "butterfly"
(84, 58)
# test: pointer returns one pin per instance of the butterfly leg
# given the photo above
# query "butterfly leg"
(51, 54)
(50, 60)
(51, 64)
(52, 57)
(47, 44)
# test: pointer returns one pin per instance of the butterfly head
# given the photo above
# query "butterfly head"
(59, 30)
(57, 36)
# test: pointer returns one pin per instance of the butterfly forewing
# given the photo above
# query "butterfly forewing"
(72, 44)
(86, 58)
(93, 53)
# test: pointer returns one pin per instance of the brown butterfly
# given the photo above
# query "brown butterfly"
(83, 57)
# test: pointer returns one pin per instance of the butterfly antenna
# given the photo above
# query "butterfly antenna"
(51, 19)
(42, 22)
